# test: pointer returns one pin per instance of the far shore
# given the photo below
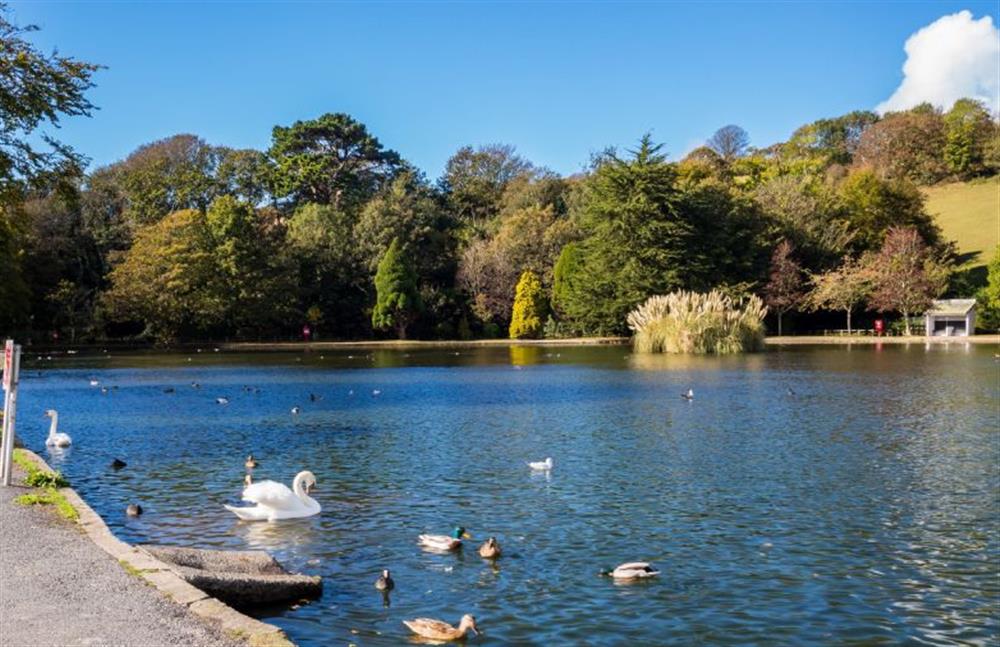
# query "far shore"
(871, 339)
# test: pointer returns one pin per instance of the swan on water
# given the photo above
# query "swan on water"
(56, 438)
(276, 501)
(541, 465)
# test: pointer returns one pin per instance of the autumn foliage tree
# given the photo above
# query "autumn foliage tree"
(843, 288)
(785, 289)
(905, 275)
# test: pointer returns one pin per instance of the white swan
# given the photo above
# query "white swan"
(56, 438)
(541, 465)
(275, 501)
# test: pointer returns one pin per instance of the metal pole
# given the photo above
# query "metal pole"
(10, 417)
(3, 443)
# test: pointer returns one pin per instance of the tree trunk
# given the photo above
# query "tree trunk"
(848, 321)
(906, 323)
(779, 323)
(401, 331)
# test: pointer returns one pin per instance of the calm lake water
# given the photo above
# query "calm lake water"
(862, 508)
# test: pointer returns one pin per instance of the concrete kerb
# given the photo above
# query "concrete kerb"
(158, 574)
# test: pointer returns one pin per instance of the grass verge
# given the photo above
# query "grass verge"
(46, 483)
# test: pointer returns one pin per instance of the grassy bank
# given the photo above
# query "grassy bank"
(969, 214)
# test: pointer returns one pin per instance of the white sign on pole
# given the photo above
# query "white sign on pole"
(8, 363)
(10, 378)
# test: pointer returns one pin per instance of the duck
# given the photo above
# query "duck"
(92, 382)
(56, 438)
(251, 462)
(276, 501)
(194, 385)
(133, 510)
(490, 549)
(688, 395)
(541, 465)
(376, 393)
(440, 630)
(222, 400)
(118, 464)
(295, 411)
(384, 581)
(445, 542)
(169, 389)
(315, 398)
(632, 571)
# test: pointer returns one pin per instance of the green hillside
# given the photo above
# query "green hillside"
(969, 213)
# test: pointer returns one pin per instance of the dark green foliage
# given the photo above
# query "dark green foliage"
(398, 301)
(332, 159)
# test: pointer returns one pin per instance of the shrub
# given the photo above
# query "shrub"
(529, 307)
(691, 322)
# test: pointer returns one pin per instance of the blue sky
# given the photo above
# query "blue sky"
(558, 80)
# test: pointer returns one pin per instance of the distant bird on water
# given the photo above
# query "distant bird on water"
(222, 400)
(169, 389)
(195, 385)
(118, 464)
(384, 581)
(376, 393)
(689, 395)
(545, 465)
(295, 411)
(315, 398)
(92, 382)
(133, 510)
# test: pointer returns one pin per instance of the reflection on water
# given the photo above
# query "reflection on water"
(806, 496)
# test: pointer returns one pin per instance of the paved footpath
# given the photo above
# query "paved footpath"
(58, 588)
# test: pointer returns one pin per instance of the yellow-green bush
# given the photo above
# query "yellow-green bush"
(527, 318)
(691, 322)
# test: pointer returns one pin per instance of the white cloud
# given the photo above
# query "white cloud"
(953, 57)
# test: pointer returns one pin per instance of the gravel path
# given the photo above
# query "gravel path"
(58, 588)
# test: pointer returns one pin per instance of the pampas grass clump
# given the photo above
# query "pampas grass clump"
(691, 322)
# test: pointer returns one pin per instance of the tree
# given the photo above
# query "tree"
(35, 90)
(396, 285)
(729, 142)
(529, 312)
(836, 140)
(168, 280)
(475, 180)
(988, 296)
(332, 159)
(905, 145)
(872, 205)
(637, 242)
(905, 275)
(968, 128)
(785, 288)
(843, 288)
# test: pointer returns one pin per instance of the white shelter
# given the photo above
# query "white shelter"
(951, 318)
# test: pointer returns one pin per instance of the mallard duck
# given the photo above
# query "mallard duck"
(632, 571)
(438, 630)
(250, 463)
(445, 542)
(118, 464)
(490, 549)
(384, 581)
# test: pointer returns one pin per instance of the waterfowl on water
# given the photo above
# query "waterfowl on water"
(376, 393)
(133, 510)
(545, 465)
(250, 463)
(632, 571)
(194, 385)
(222, 400)
(315, 398)
(490, 549)
(689, 395)
(439, 630)
(445, 542)
(92, 382)
(169, 389)
(276, 501)
(55, 437)
(118, 464)
(295, 411)
(384, 581)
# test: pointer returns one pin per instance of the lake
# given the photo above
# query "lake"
(825, 494)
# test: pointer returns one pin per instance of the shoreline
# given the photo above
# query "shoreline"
(158, 575)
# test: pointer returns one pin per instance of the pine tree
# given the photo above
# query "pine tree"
(398, 300)
(526, 321)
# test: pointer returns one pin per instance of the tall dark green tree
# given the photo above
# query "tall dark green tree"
(398, 300)
(637, 242)
(332, 159)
